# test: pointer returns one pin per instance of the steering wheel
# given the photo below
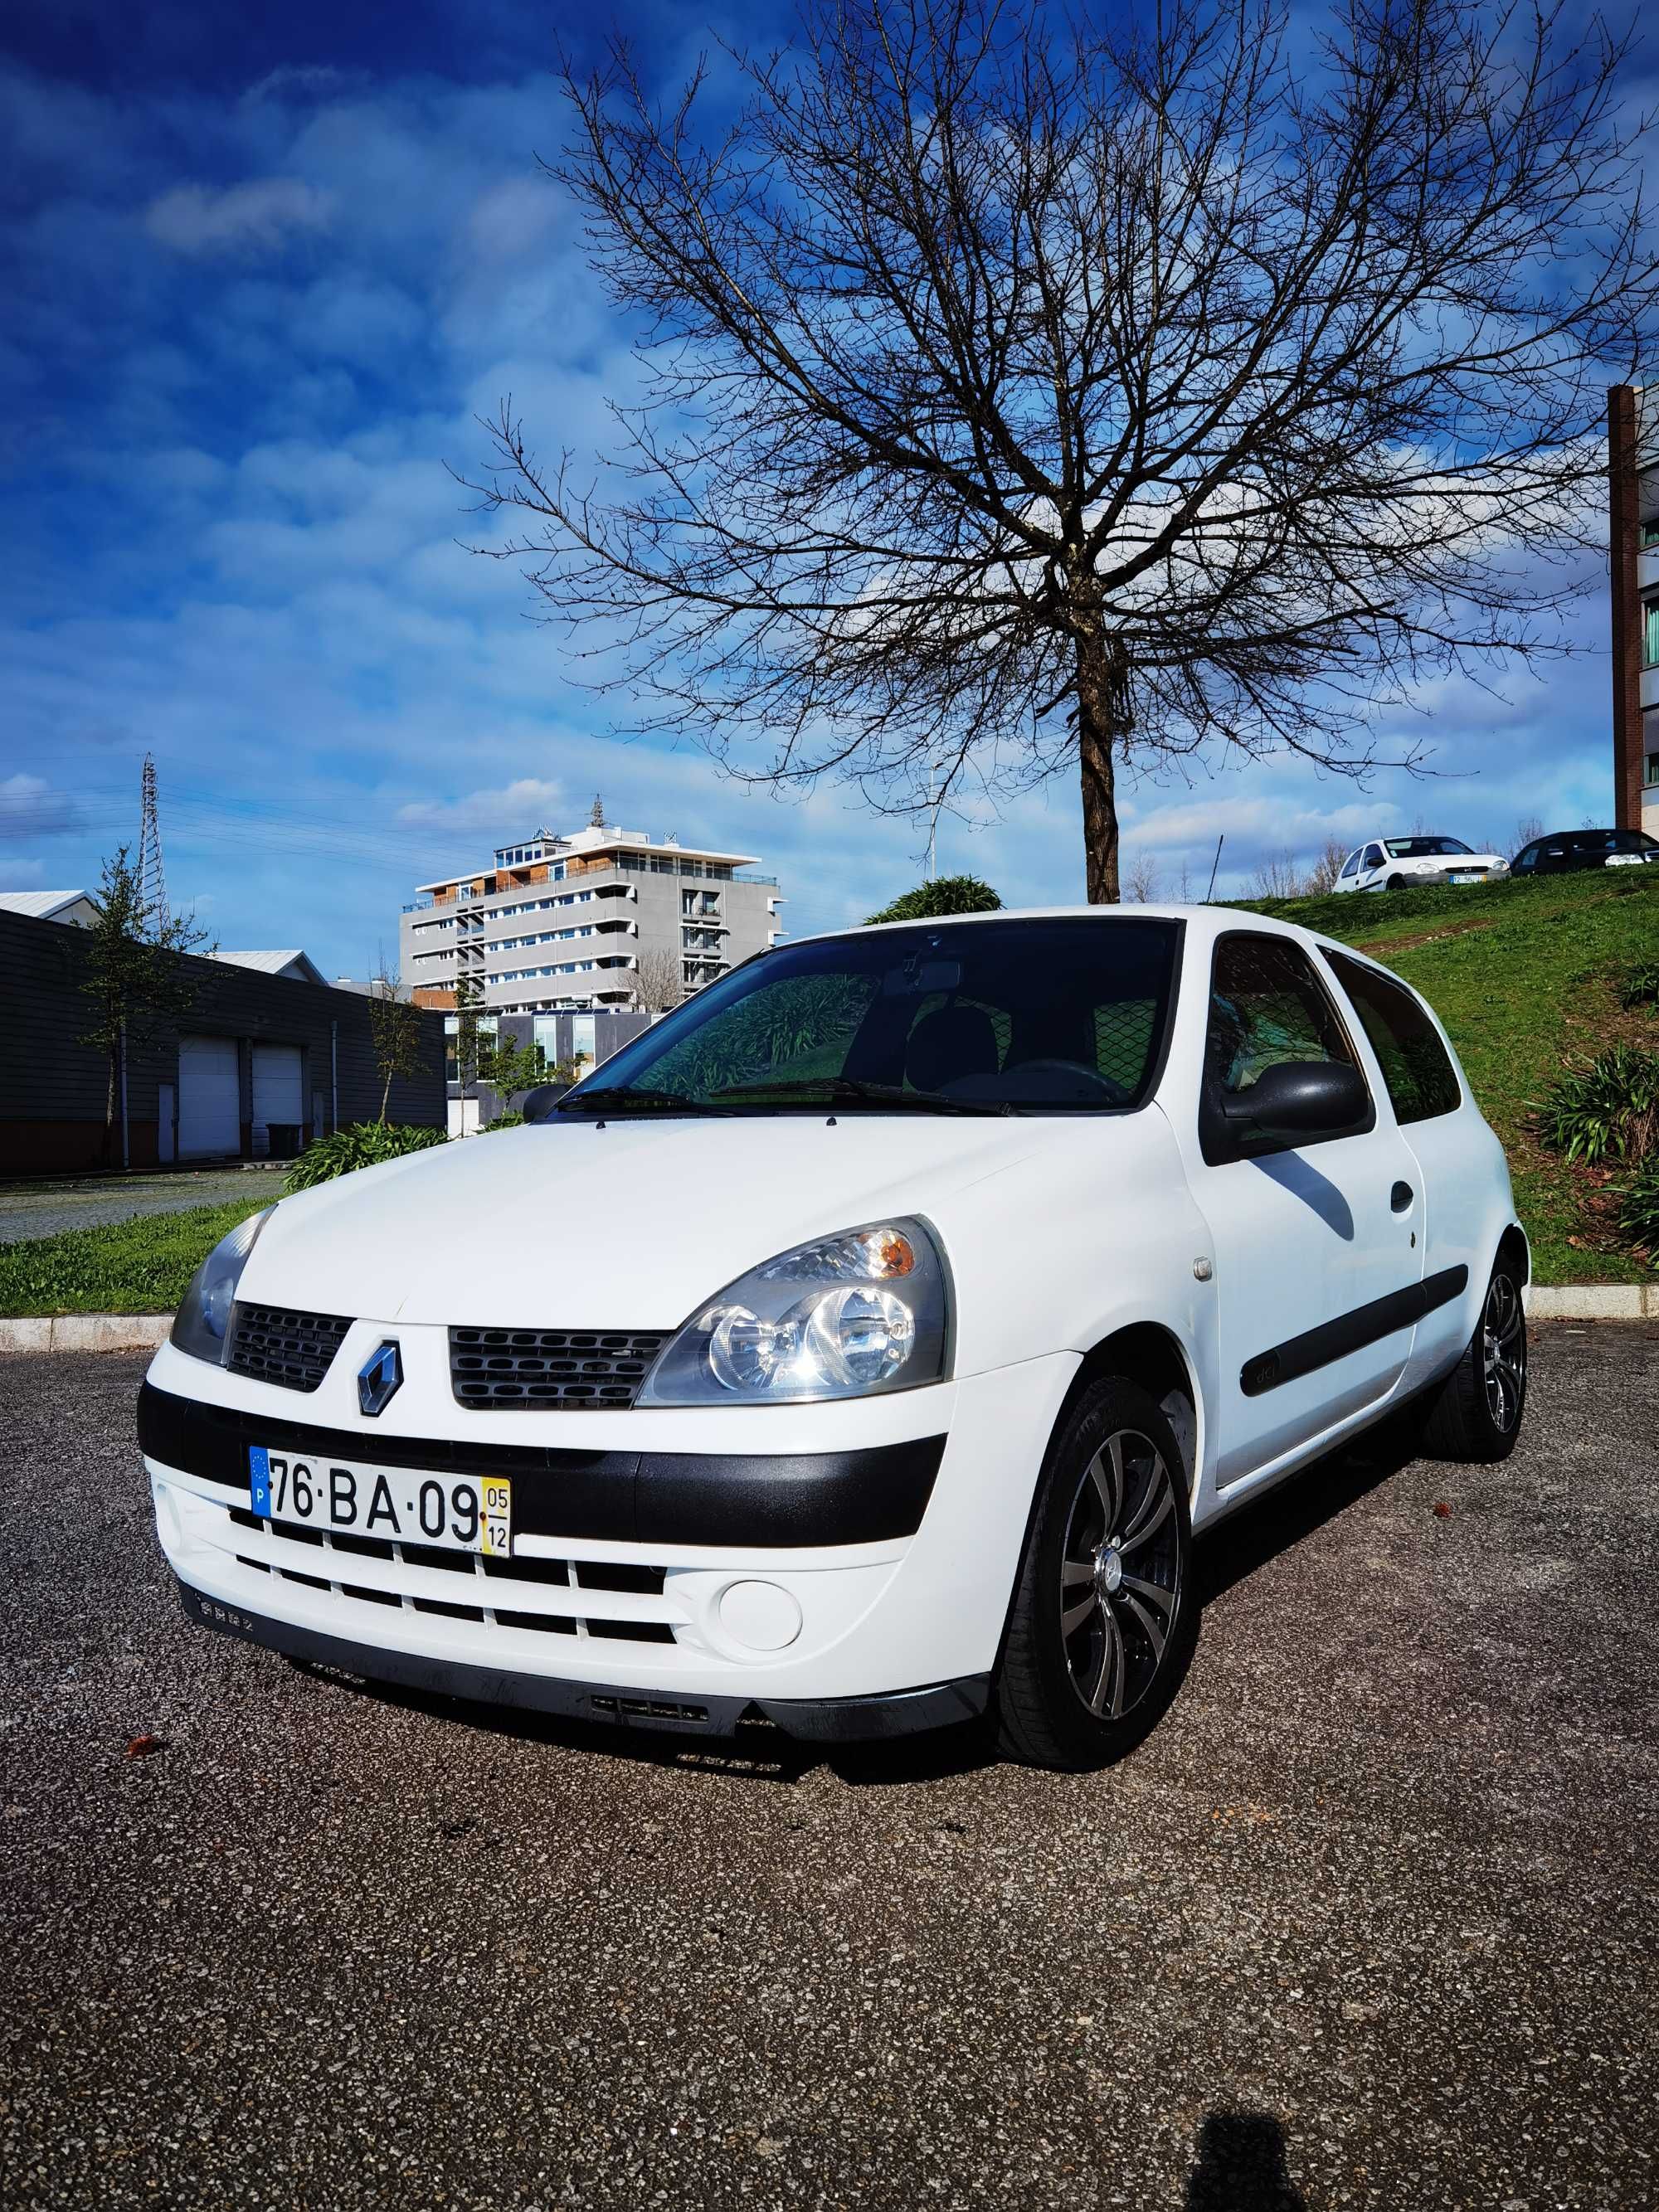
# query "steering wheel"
(1114, 1091)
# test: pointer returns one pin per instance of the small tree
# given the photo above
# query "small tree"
(469, 1000)
(1141, 885)
(944, 895)
(394, 1027)
(510, 1067)
(1323, 875)
(138, 987)
(659, 979)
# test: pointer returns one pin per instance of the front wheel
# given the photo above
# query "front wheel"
(1476, 1415)
(1104, 1617)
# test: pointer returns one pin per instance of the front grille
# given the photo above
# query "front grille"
(295, 1350)
(507, 1593)
(551, 1367)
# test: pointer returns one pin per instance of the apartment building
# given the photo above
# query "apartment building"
(600, 918)
(1633, 478)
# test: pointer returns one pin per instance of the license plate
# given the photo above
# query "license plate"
(450, 1512)
(1468, 879)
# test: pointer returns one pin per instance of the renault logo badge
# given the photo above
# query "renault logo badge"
(379, 1379)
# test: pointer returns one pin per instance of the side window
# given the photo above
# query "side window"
(1351, 866)
(1266, 1005)
(1524, 861)
(1420, 1077)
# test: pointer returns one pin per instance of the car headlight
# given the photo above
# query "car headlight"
(202, 1324)
(865, 1310)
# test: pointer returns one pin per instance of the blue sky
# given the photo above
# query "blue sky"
(263, 267)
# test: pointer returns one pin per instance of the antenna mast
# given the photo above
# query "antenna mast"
(152, 876)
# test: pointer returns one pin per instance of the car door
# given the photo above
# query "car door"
(1445, 1136)
(1316, 1244)
(1372, 861)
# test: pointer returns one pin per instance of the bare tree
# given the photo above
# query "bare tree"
(1028, 390)
(1327, 865)
(1142, 885)
(1277, 878)
(1525, 830)
(659, 979)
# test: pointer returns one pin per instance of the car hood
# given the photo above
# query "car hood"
(565, 1224)
(1439, 863)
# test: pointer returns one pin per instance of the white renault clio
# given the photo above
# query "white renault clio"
(861, 1347)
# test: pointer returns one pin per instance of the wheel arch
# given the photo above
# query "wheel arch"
(1513, 1245)
(1149, 1353)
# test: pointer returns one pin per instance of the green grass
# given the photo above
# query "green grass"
(141, 1267)
(1527, 977)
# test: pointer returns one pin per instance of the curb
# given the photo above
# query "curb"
(86, 1332)
(1594, 1301)
(142, 1332)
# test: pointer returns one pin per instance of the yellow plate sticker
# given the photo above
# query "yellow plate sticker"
(495, 1503)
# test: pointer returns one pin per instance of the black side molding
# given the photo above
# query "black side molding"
(1350, 1332)
(870, 1496)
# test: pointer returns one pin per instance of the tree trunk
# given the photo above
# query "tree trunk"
(1100, 723)
(110, 1097)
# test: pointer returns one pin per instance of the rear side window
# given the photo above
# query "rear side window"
(1416, 1066)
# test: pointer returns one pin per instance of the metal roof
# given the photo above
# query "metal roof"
(291, 962)
(45, 906)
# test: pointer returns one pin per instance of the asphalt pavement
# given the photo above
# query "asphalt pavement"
(1369, 1921)
(42, 1209)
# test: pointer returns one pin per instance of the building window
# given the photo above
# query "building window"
(1651, 772)
(1650, 632)
(1649, 535)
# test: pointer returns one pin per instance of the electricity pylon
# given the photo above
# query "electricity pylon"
(152, 876)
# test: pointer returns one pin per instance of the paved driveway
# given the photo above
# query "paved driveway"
(41, 1209)
(1369, 1922)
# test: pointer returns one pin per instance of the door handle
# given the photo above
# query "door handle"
(1399, 1198)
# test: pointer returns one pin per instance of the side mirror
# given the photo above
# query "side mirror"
(1300, 1098)
(538, 1105)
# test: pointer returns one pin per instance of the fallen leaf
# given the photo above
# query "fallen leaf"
(1441, 1511)
(141, 1747)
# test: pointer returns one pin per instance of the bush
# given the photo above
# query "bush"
(507, 1121)
(1639, 1209)
(1607, 1111)
(1640, 986)
(361, 1145)
(944, 895)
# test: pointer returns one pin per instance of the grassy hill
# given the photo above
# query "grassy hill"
(1524, 975)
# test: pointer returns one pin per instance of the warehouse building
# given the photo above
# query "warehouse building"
(264, 1059)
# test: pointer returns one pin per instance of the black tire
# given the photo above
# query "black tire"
(1476, 1413)
(1395, 883)
(1113, 1488)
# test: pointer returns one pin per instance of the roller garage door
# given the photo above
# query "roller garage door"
(210, 1098)
(278, 1100)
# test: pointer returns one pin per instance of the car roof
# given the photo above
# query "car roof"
(1204, 922)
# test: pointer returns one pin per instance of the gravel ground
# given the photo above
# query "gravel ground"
(41, 1209)
(1371, 1921)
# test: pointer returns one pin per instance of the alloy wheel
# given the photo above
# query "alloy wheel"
(1121, 1574)
(1504, 1353)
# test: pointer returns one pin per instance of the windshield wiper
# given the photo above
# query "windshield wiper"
(617, 1102)
(834, 1089)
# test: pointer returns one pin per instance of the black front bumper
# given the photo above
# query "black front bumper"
(830, 1720)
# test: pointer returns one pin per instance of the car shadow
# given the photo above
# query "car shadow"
(760, 1751)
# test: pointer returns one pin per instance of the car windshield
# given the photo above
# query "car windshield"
(1422, 849)
(992, 1017)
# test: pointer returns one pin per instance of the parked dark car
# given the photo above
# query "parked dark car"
(1567, 849)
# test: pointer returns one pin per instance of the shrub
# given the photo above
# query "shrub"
(944, 895)
(508, 1120)
(1638, 1208)
(1607, 1110)
(1640, 985)
(360, 1145)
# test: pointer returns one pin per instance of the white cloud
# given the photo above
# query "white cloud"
(521, 807)
(259, 215)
